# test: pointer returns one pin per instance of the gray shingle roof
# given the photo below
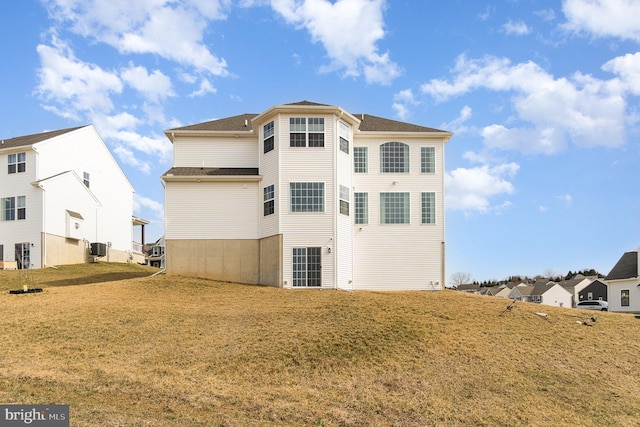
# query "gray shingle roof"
(368, 123)
(23, 141)
(185, 171)
(625, 268)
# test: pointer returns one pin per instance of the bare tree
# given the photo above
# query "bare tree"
(460, 278)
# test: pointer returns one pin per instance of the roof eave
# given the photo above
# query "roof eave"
(211, 178)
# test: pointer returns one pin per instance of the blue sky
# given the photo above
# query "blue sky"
(543, 97)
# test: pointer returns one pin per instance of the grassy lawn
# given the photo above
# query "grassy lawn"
(125, 349)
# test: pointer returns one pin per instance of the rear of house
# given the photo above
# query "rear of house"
(623, 284)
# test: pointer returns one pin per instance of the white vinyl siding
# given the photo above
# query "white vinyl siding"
(191, 215)
(221, 153)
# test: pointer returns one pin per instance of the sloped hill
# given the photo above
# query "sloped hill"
(175, 351)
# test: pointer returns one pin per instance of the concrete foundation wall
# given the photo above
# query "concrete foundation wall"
(251, 261)
(61, 251)
(271, 261)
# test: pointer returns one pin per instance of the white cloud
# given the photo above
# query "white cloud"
(147, 26)
(154, 86)
(581, 109)
(205, 88)
(604, 18)
(140, 202)
(75, 85)
(547, 15)
(352, 48)
(474, 189)
(403, 100)
(565, 199)
(628, 68)
(456, 125)
(518, 28)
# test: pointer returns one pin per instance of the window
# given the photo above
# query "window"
(13, 208)
(360, 161)
(536, 298)
(269, 200)
(268, 136)
(298, 132)
(394, 208)
(394, 157)
(429, 208)
(344, 137)
(21, 208)
(344, 200)
(427, 159)
(361, 213)
(86, 178)
(1, 252)
(624, 298)
(17, 162)
(306, 267)
(589, 295)
(23, 256)
(307, 196)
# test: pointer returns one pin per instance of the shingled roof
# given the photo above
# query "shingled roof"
(625, 268)
(368, 123)
(195, 171)
(23, 141)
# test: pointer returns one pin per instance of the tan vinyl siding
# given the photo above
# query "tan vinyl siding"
(228, 152)
(269, 169)
(212, 210)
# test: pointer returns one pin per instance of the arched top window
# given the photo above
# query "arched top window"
(394, 157)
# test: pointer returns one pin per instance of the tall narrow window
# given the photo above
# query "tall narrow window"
(17, 163)
(269, 200)
(21, 207)
(297, 132)
(306, 196)
(394, 157)
(307, 265)
(624, 298)
(86, 178)
(268, 136)
(394, 208)
(427, 159)
(8, 206)
(1, 252)
(344, 200)
(316, 132)
(360, 160)
(345, 131)
(429, 208)
(361, 210)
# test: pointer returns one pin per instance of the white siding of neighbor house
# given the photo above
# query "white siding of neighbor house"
(613, 295)
(228, 152)
(399, 256)
(343, 250)
(212, 210)
(557, 296)
(308, 229)
(81, 151)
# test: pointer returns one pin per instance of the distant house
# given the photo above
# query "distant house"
(468, 288)
(596, 290)
(491, 290)
(155, 254)
(307, 195)
(623, 283)
(549, 293)
(64, 200)
(576, 285)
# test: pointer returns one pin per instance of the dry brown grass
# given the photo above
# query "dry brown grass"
(172, 351)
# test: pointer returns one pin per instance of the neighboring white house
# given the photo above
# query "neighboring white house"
(307, 195)
(623, 283)
(549, 293)
(61, 194)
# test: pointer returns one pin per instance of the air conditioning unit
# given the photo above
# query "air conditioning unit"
(98, 249)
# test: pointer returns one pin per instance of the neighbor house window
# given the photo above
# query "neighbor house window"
(307, 264)
(427, 159)
(21, 207)
(8, 206)
(86, 178)
(394, 157)
(344, 137)
(268, 135)
(394, 208)
(269, 200)
(299, 132)
(17, 162)
(429, 208)
(360, 161)
(344, 200)
(624, 298)
(1, 252)
(361, 210)
(307, 196)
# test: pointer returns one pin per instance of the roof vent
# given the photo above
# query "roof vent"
(246, 122)
(362, 116)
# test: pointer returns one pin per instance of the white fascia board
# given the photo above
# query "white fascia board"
(215, 178)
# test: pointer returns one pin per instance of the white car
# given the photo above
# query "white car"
(593, 305)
